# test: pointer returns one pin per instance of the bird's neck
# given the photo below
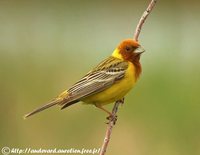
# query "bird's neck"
(136, 62)
(117, 54)
(138, 68)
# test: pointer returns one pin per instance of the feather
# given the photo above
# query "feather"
(48, 105)
(100, 78)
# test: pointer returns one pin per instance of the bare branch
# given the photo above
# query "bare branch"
(110, 126)
(143, 18)
(117, 103)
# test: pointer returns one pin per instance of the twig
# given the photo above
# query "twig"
(117, 103)
(110, 126)
(143, 19)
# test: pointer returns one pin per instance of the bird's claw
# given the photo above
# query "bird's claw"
(112, 118)
(121, 101)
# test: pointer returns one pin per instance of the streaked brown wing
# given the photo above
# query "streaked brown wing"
(100, 78)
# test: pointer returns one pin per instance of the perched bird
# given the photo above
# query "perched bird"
(108, 82)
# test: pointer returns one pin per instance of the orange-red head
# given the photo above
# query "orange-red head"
(130, 50)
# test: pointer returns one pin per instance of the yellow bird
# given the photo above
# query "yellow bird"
(108, 82)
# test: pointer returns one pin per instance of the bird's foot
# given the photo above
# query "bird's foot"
(121, 101)
(112, 118)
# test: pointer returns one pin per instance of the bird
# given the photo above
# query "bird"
(106, 83)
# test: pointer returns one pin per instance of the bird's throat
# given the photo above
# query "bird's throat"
(138, 68)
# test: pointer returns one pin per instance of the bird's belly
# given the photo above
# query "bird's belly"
(116, 91)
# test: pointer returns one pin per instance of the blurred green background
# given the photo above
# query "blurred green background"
(45, 46)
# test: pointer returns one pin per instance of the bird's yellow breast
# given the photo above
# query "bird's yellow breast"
(117, 91)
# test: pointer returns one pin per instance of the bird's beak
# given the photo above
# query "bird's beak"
(139, 50)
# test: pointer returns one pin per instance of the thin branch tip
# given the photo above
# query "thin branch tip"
(143, 19)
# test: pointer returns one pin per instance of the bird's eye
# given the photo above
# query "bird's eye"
(128, 48)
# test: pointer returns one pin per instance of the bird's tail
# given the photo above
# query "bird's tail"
(48, 105)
